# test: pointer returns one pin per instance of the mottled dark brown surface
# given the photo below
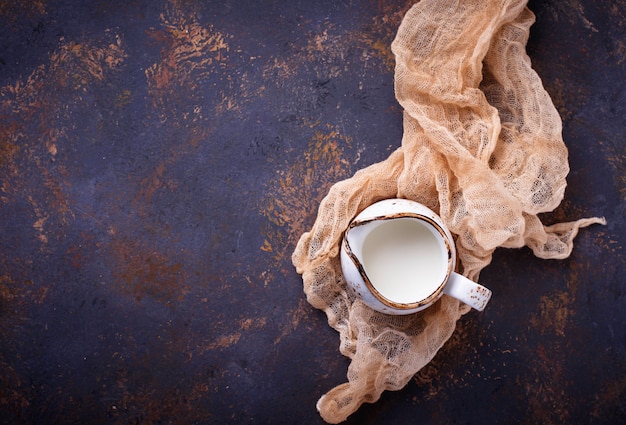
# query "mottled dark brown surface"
(159, 160)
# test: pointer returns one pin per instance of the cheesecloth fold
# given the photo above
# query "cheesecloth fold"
(482, 146)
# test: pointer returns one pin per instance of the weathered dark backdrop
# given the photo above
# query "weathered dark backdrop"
(160, 158)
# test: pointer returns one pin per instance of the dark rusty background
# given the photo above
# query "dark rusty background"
(160, 158)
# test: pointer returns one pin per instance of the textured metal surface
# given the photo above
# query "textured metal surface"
(159, 160)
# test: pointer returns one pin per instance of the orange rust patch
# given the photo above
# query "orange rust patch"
(609, 397)
(616, 158)
(151, 403)
(548, 384)
(554, 313)
(547, 394)
(12, 393)
(31, 8)
(225, 341)
(385, 25)
(295, 193)
(237, 93)
(255, 323)
(9, 135)
(142, 271)
(189, 55)
(31, 131)
(9, 151)
(9, 292)
(87, 62)
(71, 66)
(295, 316)
(155, 181)
(123, 99)
(327, 50)
(15, 295)
(620, 51)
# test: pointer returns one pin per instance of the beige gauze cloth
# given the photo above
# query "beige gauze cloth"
(482, 146)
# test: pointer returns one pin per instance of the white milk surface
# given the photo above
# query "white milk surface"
(405, 259)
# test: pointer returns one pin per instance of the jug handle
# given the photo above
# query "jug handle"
(467, 291)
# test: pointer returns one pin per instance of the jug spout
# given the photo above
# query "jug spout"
(356, 235)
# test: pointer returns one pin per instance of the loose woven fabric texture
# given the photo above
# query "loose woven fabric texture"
(482, 146)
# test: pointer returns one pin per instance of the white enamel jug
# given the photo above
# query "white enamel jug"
(399, 258)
